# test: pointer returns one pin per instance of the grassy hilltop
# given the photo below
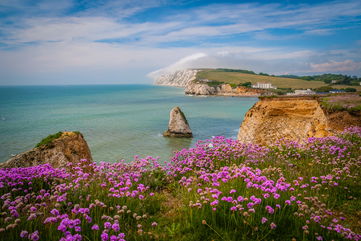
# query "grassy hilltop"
(219, 190)
(238, 77)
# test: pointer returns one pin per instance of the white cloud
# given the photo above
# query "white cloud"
(44, 41)
(107, 22)
(333, 66)
(270, 60)
(183, 63)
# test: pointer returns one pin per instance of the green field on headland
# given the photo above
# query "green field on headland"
(239, 77)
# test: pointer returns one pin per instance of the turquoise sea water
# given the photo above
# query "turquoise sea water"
(118, 121)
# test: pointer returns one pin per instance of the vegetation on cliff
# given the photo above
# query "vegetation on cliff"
(219, 190)
(49, 139)
(337, 78)
(350, 103)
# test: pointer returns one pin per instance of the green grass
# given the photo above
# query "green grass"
(49, 139)
(239, 78)
(342, 102)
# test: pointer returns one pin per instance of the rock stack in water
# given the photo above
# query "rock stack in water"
(178, 124)
(57, 150)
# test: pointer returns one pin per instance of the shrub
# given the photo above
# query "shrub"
(49, 139)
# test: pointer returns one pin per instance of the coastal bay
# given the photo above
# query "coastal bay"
(118, 121)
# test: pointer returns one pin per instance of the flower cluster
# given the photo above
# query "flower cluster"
(218, 187)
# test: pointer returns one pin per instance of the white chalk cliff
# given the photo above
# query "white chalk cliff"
(178, 78)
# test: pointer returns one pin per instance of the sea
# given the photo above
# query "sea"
(117, 121)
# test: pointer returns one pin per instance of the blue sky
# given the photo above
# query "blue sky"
(110, 42)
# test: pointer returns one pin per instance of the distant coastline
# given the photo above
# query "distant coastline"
(245, 83)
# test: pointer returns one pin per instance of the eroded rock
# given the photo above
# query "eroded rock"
(65, 147)
(178, 125)
(193, 88)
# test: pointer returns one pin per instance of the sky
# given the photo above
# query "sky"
(45, 42)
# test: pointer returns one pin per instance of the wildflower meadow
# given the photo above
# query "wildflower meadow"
(219, 190)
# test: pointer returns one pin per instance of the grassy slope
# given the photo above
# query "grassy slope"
(237, 78)
(342, 102)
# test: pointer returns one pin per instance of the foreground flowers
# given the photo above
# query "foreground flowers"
(241, 192)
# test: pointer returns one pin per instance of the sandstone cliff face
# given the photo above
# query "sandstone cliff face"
(178, 78)
(69, 147)
(222, 90)
(178, 125)
(271, 119)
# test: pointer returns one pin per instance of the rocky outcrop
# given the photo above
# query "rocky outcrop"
(199, 89)
(298, 118)
(178, 78)
(178, 125)
(194, 88)
(68, 147)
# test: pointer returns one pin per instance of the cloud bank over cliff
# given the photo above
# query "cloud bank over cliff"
(271, 60)
(80, 42)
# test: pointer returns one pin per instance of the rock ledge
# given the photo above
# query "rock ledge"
(58, 151)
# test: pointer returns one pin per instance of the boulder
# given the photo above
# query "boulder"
(57, 150)
(178, 125)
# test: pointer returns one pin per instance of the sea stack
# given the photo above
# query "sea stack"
(178, 125)
(58, 150)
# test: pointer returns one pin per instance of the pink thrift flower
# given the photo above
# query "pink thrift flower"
(273, 226)
(34, 236)
(276, 196)
(264, 220)
(31, 217)
(104, 236)
(116, 227)
(269, 209)
(24, 234)
(107, 225)
(55, 212)
(95, 227)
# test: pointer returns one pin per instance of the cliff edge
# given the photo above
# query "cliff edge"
(292, 118)
(57, 150)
